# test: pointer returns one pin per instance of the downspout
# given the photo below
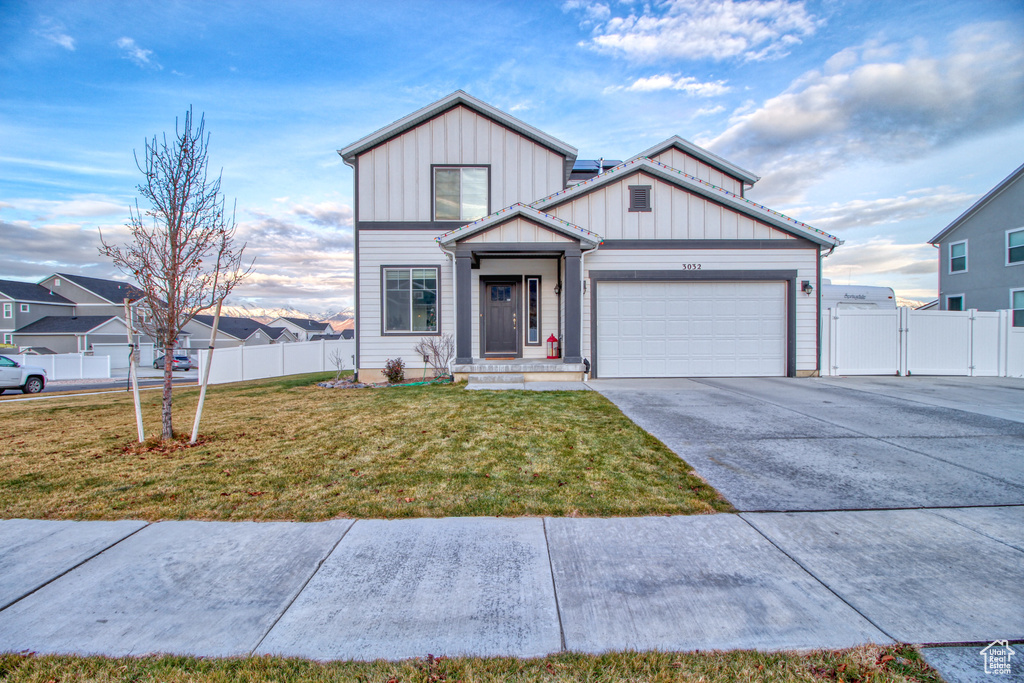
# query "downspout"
(455, 301)
(583, 285)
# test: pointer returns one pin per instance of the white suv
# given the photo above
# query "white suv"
(29, 378)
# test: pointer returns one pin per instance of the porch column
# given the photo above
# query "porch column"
(571, 288)
(464, 314)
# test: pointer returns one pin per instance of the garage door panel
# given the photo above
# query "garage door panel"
(691, 329)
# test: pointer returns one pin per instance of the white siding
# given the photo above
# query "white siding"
(682, 161)
(517, 231)
(395, 248)
(675, 214)
(395, 181)
(804, 261)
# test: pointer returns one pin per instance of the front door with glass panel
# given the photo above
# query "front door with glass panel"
(500, 329)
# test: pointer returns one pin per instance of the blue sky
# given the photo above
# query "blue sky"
(879, 122)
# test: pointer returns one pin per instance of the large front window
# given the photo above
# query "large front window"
(410, 300)
(460, 194)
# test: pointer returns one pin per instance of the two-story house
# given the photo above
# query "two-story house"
(466, 224)
(981, 253)
(22, 303)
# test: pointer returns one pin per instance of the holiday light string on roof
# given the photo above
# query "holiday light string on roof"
(609, 173)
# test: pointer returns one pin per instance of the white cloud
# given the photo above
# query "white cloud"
(56, 35)
(697, 29)
(708, 111)
(331, 214)
(132, 50)
(82, 206)
(879, 256)
(861, 213)
(686, 84)
(890, 110)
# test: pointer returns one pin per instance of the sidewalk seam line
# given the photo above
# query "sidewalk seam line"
(71, 569)
(955, 464)
(554, 586)
(934, 513)
(812, 575)
(305, 583)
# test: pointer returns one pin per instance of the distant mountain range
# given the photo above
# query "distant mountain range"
(340, 320)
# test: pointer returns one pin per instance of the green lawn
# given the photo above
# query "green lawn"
(284, 449)
(899, 664)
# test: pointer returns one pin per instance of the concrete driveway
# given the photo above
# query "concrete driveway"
(778, 444)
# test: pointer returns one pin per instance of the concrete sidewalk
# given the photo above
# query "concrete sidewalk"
(512, 586)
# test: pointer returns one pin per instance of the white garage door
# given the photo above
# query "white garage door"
(691, 329)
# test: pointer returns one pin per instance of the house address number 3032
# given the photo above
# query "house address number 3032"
(691, 266)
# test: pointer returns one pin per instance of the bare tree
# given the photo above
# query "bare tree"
(338, 361)
(438, 351)
(181, 252)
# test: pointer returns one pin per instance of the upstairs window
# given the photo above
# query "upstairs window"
(8, 310)
(24, 308)
(460, 193)
(958, 257)
(639, 197)
(1014, 246)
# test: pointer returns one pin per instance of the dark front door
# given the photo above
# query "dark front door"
(500, 319)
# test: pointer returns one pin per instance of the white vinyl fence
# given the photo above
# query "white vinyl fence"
(68, 365)
(276, 360)
(911, 342)
(119, 354)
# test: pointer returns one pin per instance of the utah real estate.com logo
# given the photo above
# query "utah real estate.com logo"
(997, 657)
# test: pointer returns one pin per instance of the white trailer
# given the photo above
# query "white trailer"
(856, 297)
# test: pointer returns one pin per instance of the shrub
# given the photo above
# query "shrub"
(438, 351)
(394, 370)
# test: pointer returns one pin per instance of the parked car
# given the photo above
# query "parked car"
(178, 363)
(13, 375)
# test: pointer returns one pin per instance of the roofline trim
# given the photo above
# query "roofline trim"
(519, 209)
(704, 155)
(977, 206)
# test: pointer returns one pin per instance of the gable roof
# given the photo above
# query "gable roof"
(66, 324)
(708, 157)
(696, 185)
(305, 323)
(113, 291)
(590, 239)
(329, 337)
(239, 328)
(989, 196)
(277, 332)
(457, 98)
(29, 292)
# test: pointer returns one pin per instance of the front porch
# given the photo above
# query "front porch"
(518, 371)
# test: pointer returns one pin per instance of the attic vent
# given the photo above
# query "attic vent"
(639, 197)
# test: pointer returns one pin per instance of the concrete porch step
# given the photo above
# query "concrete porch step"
(496, 378)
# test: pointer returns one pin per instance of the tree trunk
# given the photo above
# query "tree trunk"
(168, 430)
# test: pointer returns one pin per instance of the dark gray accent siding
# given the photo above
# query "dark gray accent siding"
(799, 243)
(464, 316)
(788, 276)
(571, 342)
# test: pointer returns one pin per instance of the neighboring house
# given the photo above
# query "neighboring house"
(981, 253)
(302, 328)
(93, 295)
(22, 303)
(72, 334)
(232, 331)
(466, 225)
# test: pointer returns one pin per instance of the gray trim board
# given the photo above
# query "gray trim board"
(789, 276)
(567, 248)
(464, 316)
(572, 350)
(798, 243)
(383, 311)
(433, 189)
(355, 267)
(436, 226)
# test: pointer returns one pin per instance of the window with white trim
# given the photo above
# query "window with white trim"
(8, 310)
(24, 308)
(1017, 304)
(8, 339)
(955, 302)
(410, 300)
(1014, 246)
(460, 193)
(958, 257)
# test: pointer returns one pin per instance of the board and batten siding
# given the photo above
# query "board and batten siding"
(395, 182)
(396, 248)
(681, 161)
(675, 214)
(516, 231)
(803, 261)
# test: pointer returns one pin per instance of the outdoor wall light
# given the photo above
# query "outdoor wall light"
(806, 287)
